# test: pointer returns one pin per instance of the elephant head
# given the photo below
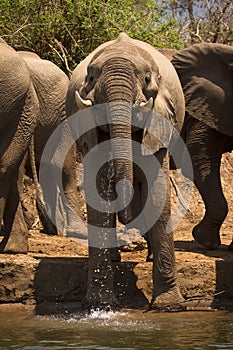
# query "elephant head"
(125, 74)
(206, 73)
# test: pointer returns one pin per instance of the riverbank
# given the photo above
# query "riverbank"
(54, 272)
(53, 275)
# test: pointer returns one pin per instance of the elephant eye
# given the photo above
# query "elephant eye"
(90, 80)
(148, 79)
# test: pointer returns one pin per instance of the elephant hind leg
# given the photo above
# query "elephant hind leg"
(206, 146)
(207, 234)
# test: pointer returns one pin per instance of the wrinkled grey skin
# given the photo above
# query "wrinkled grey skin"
(32, 106)
(19, 108)
(129, 72)
(206, 75)
(51, 84)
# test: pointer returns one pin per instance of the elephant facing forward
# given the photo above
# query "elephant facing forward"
(206, 75)
(132, 82)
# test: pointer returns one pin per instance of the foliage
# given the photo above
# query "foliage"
(65, 31)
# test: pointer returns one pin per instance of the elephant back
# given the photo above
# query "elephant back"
(206, 75)
(14, 82)
(50, 84)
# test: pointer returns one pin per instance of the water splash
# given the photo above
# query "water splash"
(97, 313)
(119, 321)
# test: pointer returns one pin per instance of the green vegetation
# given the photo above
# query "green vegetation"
(65, 31)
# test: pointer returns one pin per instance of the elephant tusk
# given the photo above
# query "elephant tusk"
(146, 106)
(80, 102)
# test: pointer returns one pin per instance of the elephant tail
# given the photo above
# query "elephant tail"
(48, 226)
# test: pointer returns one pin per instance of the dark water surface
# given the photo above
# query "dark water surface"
(21, 329)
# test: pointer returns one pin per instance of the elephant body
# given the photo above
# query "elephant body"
(132, 83)
(32, 105)
(206, 75)
(19, 108)
(51, 85)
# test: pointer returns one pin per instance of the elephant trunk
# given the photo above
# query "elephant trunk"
(119, 95)
(122, 155)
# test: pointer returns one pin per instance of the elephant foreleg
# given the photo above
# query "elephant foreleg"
(102, 240)
(205, 147)
(207, 232)
(166, 292)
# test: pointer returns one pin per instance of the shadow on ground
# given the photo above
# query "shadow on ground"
(217, 272)
(64, 281)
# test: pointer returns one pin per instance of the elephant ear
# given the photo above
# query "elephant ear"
(206, 75)
(159, 123)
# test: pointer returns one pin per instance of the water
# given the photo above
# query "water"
(20, 329)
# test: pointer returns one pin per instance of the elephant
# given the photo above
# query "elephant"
(36, 109)
(206, 74)
(19, 109)
(51, 85)
(116, 91)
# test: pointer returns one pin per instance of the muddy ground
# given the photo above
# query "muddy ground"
(55, 268)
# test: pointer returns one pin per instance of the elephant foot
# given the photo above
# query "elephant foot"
(170, 300)
(15, 244)
(231, 246)
(207, 236)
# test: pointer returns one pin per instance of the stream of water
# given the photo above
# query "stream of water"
(20, 329)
